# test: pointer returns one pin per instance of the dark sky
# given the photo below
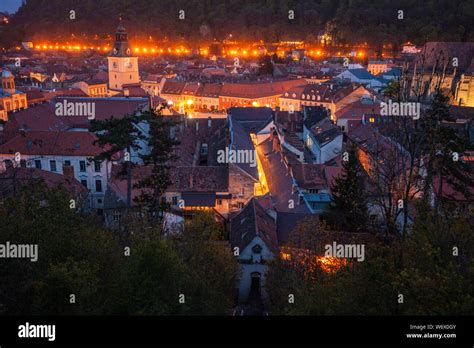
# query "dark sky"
(9, 6)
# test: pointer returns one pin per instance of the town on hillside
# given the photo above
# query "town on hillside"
(235, 177)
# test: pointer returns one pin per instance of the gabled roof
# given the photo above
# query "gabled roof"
(280, 182)
(253, 221)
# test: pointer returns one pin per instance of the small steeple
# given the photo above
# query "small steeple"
(121, 47)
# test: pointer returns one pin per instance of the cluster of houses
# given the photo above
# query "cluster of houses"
(267, 161)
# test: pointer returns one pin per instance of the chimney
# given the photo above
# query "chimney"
(126, 92)
(209, 121)
(68, 171)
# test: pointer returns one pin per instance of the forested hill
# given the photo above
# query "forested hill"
(352, 21)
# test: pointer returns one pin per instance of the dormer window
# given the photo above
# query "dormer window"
(257, 249)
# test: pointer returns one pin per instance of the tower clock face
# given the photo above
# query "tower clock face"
(128, 63)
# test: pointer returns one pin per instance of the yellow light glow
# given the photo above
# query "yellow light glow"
(190, 102)
(255, 53)
(254, 103)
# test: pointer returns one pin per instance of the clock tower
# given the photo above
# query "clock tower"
(123, 67)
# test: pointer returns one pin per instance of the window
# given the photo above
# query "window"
(23, 163)
(116, 215)
(257, 249)
(67, 163)
(174, 200)
(97, 166)
(98, 186)
(240, 205)
(8, 164)
(313, 191)
(82, 166)
(219, 202)
(52, 165)
(38, 164)
(84, 182)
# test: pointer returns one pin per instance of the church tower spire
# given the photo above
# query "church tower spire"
(123, 66)
(121, 46)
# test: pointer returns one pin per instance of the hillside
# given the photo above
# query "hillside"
(352, 21)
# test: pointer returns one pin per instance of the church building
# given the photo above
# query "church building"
(10, 98)
(123, 67)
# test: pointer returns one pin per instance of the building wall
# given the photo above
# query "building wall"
(89, 175)
(251, 262)
(122, 70)
(465, 90)
(376, 69)
(241, 186)
(13, 102)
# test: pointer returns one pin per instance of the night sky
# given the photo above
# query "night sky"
(9, 6)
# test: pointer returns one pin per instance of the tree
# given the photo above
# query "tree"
(265, 65)
(211, 266)
(348, 208)
(158, 159)
(76, 255)
(116, 135)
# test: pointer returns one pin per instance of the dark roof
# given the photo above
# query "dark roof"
(314, 115)
(287, 223)
(251, 119)
(253, 221)
(199, 199)
(280, 182)
(199, 179)
(361, 74)
(241, 141)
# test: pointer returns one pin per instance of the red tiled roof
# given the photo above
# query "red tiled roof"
(259, 90)
(49, 143)
(22, 176)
